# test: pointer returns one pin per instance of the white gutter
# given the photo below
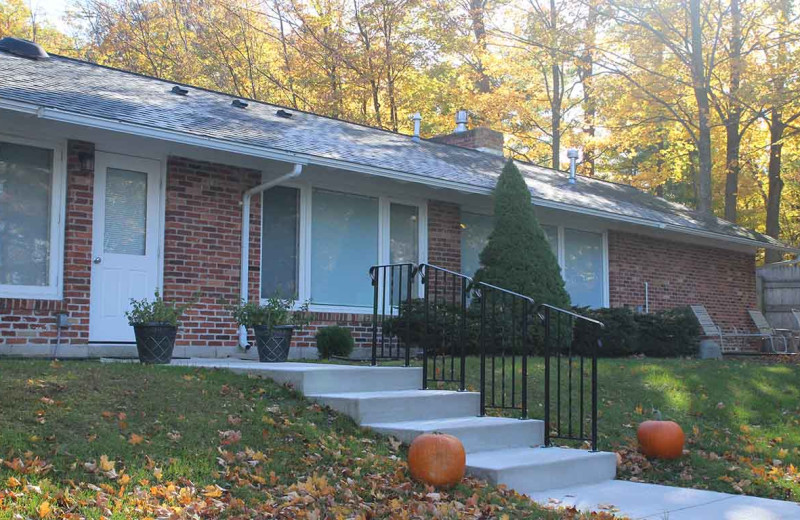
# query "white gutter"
(300, 158)
(245, 267)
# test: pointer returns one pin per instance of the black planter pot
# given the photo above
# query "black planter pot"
(155, 342)
(273, 343)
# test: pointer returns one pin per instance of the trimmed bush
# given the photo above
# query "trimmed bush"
(668, 333)
(518, 257)
(334, 341)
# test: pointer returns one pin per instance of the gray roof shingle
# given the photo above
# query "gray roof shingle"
(83, 88)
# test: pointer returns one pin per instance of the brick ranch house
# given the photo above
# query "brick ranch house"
(113, 185)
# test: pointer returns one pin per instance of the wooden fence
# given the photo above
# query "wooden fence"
(779, 292)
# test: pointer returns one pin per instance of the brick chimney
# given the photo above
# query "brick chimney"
(481, 139)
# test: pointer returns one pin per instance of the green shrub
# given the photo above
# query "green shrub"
(619, 336)
(667, 333)
(517, 256)
(441, 330)
(334, 341)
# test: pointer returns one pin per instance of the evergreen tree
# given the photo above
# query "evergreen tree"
(518, 256)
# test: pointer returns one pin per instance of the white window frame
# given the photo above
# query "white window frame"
(54, 290)
(384, 219)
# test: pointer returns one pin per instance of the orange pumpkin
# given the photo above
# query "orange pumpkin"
(660, 439)
(438, 459)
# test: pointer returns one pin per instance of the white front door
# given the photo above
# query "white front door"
(125, 241)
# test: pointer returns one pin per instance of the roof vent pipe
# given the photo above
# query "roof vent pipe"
(461, 120)
(417, 118)
(572, 153)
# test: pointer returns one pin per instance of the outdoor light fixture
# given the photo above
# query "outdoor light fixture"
(86, 161)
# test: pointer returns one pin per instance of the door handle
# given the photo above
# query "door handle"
(97, 260)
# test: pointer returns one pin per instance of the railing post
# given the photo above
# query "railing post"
(481, 295)
(374, 316)
(464, 335)
(409, 299)
(547, 376)
(594, 394)
(423, 273)
(524, 381)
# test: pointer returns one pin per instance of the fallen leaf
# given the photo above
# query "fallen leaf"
(135, 439)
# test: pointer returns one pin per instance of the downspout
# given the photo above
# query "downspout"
(245, 268)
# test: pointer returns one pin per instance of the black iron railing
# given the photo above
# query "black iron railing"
(455, 318)
(445, 308)
(505, 345)
(394, 287)
(569, 342)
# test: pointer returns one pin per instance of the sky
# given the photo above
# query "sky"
(51, 11)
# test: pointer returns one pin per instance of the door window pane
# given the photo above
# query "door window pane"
(344, 244)
(404, 234)
(126, 212)
(403, 247)
(583, 269)
(280, 239)
(475, 231)
(26, 184)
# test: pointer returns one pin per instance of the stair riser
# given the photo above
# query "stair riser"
(330, 381)
(486, 438)
(538, 477)
(404, 408)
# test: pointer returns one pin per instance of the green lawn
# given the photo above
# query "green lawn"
(86, 440)
(741, 419)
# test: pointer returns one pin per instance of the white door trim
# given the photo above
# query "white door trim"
(154, 239)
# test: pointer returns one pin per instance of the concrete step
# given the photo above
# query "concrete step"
(476, 433)
(401, 405)
(527, 470)
(319, 378)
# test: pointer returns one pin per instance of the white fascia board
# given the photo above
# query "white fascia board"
(54, 114)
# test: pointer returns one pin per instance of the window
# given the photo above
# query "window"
(280, 237)
(30, 207)
(583, 267)
(344, 244)
(475, 231)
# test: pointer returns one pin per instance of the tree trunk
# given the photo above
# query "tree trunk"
(587, 81)
(733, 121)
(776, 129)
(703, 112)
(477, 14)
(555, 100)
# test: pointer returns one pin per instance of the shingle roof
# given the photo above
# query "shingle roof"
(91, 90)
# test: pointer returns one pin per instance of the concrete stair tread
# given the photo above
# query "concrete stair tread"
(450, 422)
(391, 394)
(524, 457)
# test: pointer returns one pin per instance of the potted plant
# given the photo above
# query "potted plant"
(273, 323)
(155, 325)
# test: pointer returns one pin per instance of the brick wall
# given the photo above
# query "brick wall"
(202, 246)
(444, 235)
(33, 322)
(682, 274)
(360, 326)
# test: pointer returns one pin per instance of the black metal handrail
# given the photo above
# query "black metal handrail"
(559, 328)
(444, 349)
(505, 337)
(400, 287)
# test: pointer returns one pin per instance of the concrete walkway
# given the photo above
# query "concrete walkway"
(502, 451)
(651, 501)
